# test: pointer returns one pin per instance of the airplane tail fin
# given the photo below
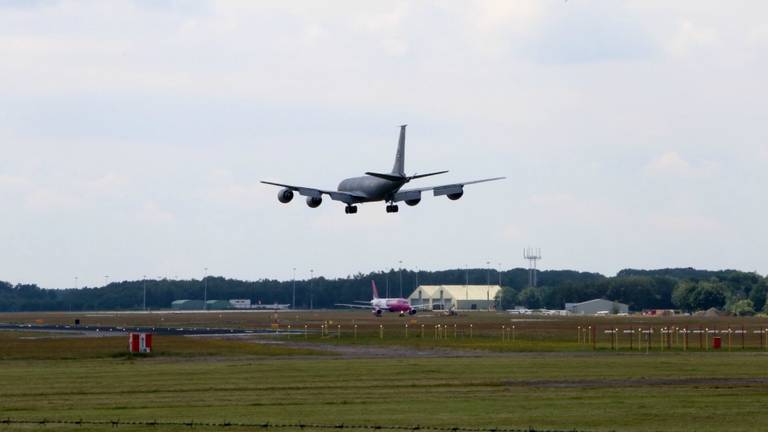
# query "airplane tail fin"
(375, 291)
(399, 167)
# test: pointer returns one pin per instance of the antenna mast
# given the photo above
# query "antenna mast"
(532, 255)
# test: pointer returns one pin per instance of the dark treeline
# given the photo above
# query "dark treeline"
(681, 288)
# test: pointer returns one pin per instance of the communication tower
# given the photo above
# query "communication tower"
(532, 255)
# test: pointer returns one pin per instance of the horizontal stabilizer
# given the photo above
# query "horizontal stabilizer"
(397, 178)
(390, 177)
(417, 176)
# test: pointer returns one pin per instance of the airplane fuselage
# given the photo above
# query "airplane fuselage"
(375, 189)
(391, 304)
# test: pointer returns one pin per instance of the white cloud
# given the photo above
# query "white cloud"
(52, 199)
(147, 116)
(152, 213)
(690, 37)
(672, 163)
(686, 224)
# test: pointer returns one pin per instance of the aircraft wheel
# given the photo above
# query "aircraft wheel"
(350, 209)
(392, 208)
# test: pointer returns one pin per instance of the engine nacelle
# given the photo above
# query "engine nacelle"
(285, 195)
(455, 196)
(413, 202)
(314, 202)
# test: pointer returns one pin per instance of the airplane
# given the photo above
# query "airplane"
(375, 187)
(379, 305)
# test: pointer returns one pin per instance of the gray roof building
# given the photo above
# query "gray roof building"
(597, 306)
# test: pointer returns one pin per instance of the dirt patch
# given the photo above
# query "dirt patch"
(640, 382)
(372, 351)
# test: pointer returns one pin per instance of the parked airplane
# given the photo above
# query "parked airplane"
(379, 305)
(377, 187)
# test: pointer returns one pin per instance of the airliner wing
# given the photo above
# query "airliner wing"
(449, 189)
(358, 306)
(346, 197)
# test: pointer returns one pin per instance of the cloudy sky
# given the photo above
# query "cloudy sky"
(134, 134)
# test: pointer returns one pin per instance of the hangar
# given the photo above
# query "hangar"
(460, 297)
(592, 307)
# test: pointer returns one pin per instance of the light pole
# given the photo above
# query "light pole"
(499, 272)
(145, 293)
(488, 283)
(76, 286)
(205, 289)
(311, 286)
(401, 278)
(293, 302)
(466, 274)
(106, 280)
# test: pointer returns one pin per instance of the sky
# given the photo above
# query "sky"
(133, 134)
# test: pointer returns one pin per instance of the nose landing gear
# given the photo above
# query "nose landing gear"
(392, 208)
(350, 209)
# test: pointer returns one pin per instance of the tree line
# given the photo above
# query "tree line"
(680, 288)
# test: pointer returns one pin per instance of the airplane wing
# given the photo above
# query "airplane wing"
(449, 189)
(358, 306)
(346, 197)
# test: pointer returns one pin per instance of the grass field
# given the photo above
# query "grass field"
(71, 377)
(596, 392)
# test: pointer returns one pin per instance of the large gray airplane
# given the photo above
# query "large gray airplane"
(375, 187)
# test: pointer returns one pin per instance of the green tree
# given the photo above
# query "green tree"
(758, 294)
(743, 308)
(683, 293)
(530, 298)
(506, 298)
(708, 295)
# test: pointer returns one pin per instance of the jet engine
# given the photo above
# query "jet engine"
(455, 196)
(285, 195)
(314, 202)
(413, 202)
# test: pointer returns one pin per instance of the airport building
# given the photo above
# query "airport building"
(459, 297)
(597, 307)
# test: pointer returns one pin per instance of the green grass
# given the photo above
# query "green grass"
(544, 379)
(509, 391)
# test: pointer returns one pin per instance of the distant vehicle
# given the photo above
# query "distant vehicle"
(274, 306)
(519, 311)
(375, 187)
(379, 305)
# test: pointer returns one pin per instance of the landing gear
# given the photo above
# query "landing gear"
(350, 209)
(392, 208)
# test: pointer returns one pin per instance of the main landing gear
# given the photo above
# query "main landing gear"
(350, 209)
(392, 208)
